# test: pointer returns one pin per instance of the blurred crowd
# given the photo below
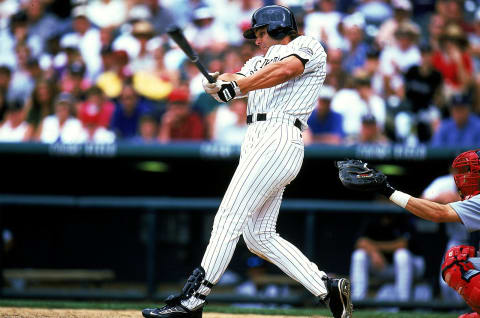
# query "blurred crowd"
(398, 71)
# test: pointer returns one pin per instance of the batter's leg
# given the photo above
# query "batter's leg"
(262, 239)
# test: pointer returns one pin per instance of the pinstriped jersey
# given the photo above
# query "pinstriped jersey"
(298, 96)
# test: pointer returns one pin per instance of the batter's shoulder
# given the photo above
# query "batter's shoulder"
(307, 41)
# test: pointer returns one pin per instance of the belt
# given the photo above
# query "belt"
(263, 117)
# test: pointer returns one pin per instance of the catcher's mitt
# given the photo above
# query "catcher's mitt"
(356, 175)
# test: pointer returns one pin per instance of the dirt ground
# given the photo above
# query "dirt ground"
(6, 312)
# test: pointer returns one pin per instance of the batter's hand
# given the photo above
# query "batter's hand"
(228, 90)
(211, 88)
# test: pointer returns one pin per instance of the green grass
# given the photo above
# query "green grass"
(212, 308)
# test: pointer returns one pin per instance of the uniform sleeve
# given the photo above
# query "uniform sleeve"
(309, 51)
(248, 67)
(469, 212)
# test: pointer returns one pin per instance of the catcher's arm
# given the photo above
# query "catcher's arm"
(356, 175)
(432, 211)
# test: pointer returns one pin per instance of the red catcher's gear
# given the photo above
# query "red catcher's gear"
(466, 172)
(470, 315)
(460, 274)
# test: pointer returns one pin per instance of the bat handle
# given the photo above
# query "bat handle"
(202, 69)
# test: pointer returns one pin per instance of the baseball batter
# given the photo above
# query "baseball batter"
(282, 88)
(461, 266)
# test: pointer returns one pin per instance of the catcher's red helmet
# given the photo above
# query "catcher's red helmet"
(466, 172)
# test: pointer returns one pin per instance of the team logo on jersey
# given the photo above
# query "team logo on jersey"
(263, 62)
(306, 50)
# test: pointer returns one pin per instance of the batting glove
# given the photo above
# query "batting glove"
(211, 88)
(228, 90)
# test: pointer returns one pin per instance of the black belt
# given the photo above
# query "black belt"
(263, 117)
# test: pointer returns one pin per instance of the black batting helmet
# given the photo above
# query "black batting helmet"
(279, 21)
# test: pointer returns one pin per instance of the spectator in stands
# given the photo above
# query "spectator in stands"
(87, 39)
(205, 32)
(443, 190)
(337, 76)
(39, 105)
(179, 122)
(355, 50)
(474, 48)
(22, 83)
(382, 251)
(371, 68)
(14, 128)
(454, 61)
(161, 17)
(147, 131)
(17, 33)
(128, 110)
(462, 128)
(228, 122)
(107, 13)
(75, 82)
(358, 101)
(7, 9)
(370, 133)
(396, 60)
(423, 94)
(234, 16)
(114, 72)
(42, 24)
(323, 24)
(453, 13)
(142, 31)
(402, 10)
(5, 77)
(61, 127)
(93, 131)
(96, 107)
(157, 81)
(436, 27)
(325, 125)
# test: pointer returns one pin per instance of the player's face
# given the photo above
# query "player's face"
(263, 40)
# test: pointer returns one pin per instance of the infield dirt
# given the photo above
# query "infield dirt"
(16, 312)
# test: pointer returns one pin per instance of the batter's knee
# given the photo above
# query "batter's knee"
(257, 242)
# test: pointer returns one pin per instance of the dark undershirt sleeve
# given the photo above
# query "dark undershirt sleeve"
(304, 61)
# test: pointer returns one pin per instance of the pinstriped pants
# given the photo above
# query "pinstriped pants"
(271, 157)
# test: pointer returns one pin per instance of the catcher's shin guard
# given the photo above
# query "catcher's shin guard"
(174, 307)
(461, 274)
(338, 299)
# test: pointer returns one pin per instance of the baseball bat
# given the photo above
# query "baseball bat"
(177, 35)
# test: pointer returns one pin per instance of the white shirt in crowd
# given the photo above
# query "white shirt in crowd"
(348, 103)
(11, 134)
(70, 132)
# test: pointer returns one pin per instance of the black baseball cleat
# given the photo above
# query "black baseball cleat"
(338, 298)
(172, 309)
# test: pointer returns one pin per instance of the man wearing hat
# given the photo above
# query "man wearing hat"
(462, 128)
(325, 125)
(86, 39)
(179, 122)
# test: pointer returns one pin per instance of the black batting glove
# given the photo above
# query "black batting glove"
(228, 90)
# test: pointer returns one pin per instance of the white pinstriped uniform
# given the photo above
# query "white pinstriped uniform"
(271, 157)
